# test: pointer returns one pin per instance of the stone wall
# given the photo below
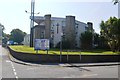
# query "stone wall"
(47, 26)
(70, 30)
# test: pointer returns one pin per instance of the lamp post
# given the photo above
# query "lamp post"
(32, 21)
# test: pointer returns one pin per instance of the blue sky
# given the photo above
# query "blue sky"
(12, 12)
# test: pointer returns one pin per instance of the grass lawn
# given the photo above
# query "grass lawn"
(30, 50)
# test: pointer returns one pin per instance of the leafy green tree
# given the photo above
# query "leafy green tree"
(110, 31)
(86, 40)
(96, 38)
(5, 38)
(65, 44)
(17, 35)
(103, 43)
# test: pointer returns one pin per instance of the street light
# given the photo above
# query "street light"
(30, 12)
(32, 21)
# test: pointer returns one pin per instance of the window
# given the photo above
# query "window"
(76, 23)
(57, 28)
(42, 34)
(86, 28)
(77, 26)
(51, 28)
(75, 44)
(51, 38)
(76, 33)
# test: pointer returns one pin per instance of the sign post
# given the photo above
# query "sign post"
(41, 44)
(67, 55)
(80, 56)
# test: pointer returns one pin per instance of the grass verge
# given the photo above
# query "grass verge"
(26, 49)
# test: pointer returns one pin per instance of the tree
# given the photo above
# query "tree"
(65, 44)
(86, 40)
(2, 29)
(103, 43)
(110, 31)
(5, 39)
(5, 36)
(2, 26)
(17, 35)
(116, 1)
(96, 38)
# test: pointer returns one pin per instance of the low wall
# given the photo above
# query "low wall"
(50, 58)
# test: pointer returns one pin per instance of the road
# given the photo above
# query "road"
(15, 70)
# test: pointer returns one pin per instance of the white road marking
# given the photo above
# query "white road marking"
(8, 61)
(14, 71)
(16, 77)
(89, 75)
(11, 64)
(13, 68)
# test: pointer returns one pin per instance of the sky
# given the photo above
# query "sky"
(12, 12)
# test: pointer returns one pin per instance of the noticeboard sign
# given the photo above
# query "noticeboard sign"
(41, 44)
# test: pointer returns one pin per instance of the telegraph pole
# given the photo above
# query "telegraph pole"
(32, 22)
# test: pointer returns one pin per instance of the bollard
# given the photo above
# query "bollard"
(47, 51)
(36, 51)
